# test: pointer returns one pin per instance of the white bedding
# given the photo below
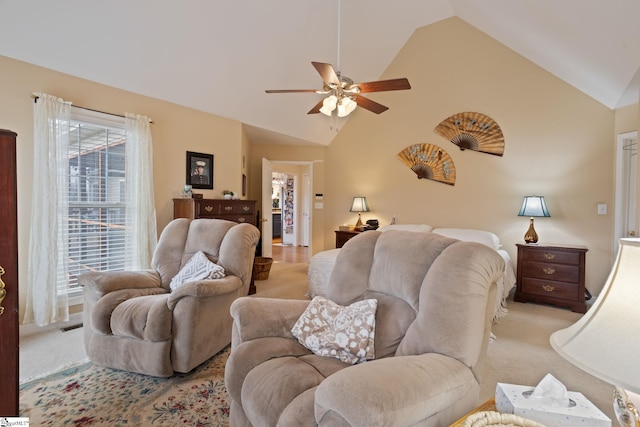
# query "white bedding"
(322, 263)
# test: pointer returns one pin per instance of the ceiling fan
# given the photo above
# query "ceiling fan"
(343, 95)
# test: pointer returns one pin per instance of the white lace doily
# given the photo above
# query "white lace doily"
(496, 419)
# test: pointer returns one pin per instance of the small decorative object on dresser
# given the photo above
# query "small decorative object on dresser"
(552, 274)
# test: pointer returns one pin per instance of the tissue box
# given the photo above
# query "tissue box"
(510, 400)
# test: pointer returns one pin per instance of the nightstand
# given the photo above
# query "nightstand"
(343, 236)
(551, 274)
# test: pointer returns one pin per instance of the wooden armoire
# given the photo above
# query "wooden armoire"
(9, 332)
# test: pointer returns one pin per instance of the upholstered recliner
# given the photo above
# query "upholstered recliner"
(435, 299)
(133, 320)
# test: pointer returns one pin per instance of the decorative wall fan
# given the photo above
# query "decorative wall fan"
(430, 162)
(343, 95)
(473, 131)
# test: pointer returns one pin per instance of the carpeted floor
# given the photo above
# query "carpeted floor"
(89, 395)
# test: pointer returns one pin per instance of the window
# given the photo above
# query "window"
(95, 234)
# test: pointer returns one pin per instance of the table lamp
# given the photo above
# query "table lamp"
(533, 206)
(605, 342)
(359, 205)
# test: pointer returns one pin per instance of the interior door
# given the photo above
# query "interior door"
(626, 185)
(306, 208)
(9, 357)
(267, 212)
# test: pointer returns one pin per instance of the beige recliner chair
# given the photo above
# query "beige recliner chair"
(435, 299)
(133, 320)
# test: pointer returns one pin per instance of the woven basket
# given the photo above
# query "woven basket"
(261, 268)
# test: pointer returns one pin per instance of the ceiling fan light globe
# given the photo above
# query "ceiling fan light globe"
(328, 105)
(346, 107)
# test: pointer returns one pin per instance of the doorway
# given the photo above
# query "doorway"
(286, 199)
(626, 185)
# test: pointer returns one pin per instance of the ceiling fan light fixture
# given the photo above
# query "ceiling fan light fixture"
(346, 106)
(328, 105)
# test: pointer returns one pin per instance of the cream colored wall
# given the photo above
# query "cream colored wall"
(314, 155)
(558, 143)
(175, 130)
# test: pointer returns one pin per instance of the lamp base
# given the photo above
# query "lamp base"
(626, 412)
(531, 236)
(359, 223)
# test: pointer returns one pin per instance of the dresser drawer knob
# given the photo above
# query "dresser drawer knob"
(228, 208)
(549, 270)
(246, 208)
(548, 255)
(208, 208)
(242, 219)
(548, 288)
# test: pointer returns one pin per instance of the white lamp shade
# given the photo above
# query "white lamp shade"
(359, 204)
(533, 206)
(605, 342)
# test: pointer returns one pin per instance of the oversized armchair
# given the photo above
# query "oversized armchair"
(435, 299)
(135, 321)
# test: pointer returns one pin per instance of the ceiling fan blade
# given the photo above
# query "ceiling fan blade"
(290, 91)
(370, 105)
(327, 73)
(316, 108)
(383, 85)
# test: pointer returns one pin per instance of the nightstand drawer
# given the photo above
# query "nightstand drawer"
(557, 257)
(548, 271)
(545, 288)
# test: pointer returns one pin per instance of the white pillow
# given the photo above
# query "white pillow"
(197, 268)
(424, 228)
(487, 238)
(346, 333)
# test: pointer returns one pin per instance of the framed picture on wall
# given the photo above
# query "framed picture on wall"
(200, 170)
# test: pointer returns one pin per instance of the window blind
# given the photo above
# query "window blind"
(96, 197)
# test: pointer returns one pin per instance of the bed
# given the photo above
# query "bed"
(321, 264)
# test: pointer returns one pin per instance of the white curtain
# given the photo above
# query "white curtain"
(47, 248)
(141, 230)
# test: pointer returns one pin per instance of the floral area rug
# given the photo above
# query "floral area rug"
(90, 395)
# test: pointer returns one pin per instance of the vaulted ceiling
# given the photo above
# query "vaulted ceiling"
(220, 56)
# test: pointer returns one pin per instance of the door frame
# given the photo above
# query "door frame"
(626, 179)
(268, 167)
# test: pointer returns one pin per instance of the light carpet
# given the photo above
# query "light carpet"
(89, 395)
(520, 354)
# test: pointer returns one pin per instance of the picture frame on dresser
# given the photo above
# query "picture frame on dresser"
(199, 170)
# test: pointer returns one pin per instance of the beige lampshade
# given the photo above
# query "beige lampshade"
(605, 342)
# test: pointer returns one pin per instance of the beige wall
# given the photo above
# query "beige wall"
(175, 130)
(558, 143)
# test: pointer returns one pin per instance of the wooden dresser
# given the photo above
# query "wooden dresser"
(552, 275)
(232, 210)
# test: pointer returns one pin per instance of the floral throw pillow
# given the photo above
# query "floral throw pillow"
(197, 268)
(346, 333)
